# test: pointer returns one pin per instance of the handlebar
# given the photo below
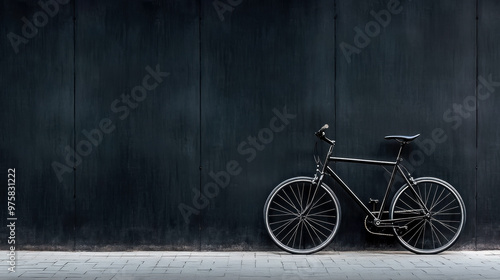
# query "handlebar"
(322, 135)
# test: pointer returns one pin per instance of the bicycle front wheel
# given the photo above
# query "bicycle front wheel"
(301, 217)
(429, 216)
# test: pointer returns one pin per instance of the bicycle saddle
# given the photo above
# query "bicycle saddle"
(402, 138)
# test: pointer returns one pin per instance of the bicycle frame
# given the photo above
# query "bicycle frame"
(396, 169)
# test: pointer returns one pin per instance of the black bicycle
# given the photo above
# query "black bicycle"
(302, 214)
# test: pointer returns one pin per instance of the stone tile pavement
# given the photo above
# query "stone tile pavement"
(373, 265)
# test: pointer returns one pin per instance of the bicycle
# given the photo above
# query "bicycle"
(302, 214)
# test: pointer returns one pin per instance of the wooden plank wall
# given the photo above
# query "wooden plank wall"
(165, 124)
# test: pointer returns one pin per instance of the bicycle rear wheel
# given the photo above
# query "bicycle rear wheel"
(431, 216)
(300, 217)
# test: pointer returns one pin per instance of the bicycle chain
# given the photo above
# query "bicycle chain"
(375, 233)
(380, 233)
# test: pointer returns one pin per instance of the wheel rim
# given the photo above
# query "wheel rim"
(439, 216)
(302, 218)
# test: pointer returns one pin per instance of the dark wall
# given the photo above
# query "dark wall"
(488, 132)
(165, 124)
(149, 162)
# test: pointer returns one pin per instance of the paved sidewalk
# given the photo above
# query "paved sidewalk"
(373, 265)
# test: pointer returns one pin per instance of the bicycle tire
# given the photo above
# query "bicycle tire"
(302, 218)
(437, 224)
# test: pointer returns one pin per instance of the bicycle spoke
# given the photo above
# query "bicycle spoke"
(316, 221)
(316, 206)
(432, 235)
(447, 226)
(308, 195)
(285, 209)
(445, 211)
(314, 229)
(301, 235)
(427, 194)
(439, 199)
(411, 229)
(420, 195)
(417, 231)
(313, 197)
(296, 199)
(301, 196)
(283, 227)
(289, 201)
(280, 215)
(423, 234)
(310, 235)
(436, 231)
(414, 200)
(446, 205)
(320, 213)
(296, 228)
(434, 199)
(287, 221)
(291, 234)
(279, 229)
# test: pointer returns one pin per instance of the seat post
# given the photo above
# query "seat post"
(400, 150)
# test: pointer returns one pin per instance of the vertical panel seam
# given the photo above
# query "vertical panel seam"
(477, 123)
(74, 123)
(200, 112)
(335, 67)
(335, 95)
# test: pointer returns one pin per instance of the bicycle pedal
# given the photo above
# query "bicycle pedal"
(376, 230)
(401, 230)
